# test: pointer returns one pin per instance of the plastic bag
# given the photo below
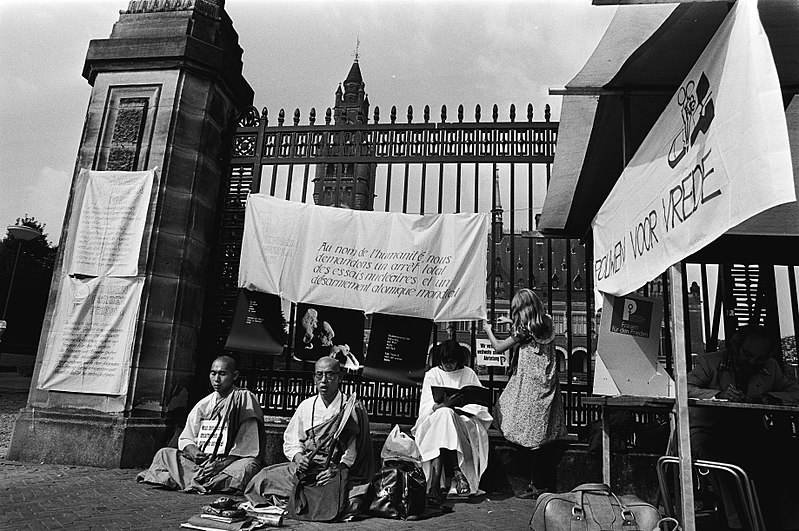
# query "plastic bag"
(400, 447)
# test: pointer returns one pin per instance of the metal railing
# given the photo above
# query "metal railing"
(497, 167)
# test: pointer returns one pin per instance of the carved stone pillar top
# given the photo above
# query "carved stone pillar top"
(159, 34)
(209, 8)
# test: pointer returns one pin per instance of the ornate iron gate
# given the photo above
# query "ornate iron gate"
(417, 168)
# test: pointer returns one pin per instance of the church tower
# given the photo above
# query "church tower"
(347, 184)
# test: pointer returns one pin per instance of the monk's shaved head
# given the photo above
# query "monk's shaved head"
(229, 362)
(327, 364)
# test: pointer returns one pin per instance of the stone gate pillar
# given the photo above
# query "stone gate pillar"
(166, 87)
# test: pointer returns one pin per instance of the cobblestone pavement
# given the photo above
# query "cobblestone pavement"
(40, 496)
(44, 497)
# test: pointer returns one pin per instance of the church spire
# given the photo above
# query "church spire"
(496, 211)
(347, 183)
(353, 102)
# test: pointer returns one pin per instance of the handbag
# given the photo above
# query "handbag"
(400, 489)
(319, 503)
(593, 507)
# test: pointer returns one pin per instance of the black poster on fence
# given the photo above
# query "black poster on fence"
(398, 348)
(327, 331)
(257, 324)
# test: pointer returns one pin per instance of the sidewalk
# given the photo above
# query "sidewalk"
(34, 496)
(44, 497)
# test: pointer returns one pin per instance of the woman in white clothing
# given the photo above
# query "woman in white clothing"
(451, 437)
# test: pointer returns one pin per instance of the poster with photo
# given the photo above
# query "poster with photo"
(327, 331)
(398, 347)
(257, 324)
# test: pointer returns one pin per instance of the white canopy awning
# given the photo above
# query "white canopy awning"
(637, 66)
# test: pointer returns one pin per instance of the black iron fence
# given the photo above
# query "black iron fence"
(497, 167)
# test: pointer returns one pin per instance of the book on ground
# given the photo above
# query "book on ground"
(469, 394)
(198, 522)
(225, 519)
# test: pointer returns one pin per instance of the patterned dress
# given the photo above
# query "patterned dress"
(529, 411)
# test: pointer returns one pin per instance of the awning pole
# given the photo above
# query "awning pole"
(677, 294)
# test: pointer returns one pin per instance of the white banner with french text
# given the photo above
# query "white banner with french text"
(431, 266)
(90, 343)
(718, 155)
(111, 220)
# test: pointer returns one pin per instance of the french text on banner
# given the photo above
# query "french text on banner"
(110, 222)
(429, 266)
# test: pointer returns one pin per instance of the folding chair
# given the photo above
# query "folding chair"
(751, 518)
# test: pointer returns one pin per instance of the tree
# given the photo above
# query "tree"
(28, 301)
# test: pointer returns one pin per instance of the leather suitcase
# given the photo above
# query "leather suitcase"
(593, 507)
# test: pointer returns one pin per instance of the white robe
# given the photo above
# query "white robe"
(444, 428)
(312, 412)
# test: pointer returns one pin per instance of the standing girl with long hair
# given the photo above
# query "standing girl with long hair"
(530, 411)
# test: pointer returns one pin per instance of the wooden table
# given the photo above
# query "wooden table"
(661, 405)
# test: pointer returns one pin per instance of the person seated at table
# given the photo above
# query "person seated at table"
(746, 372)
(219, 449)
(315, 455)
(452, 437)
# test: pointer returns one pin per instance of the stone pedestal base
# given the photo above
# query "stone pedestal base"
(111, 441)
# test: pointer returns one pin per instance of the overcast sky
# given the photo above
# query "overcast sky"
(295, 55)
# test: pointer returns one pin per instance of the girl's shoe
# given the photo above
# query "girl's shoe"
(461, 483)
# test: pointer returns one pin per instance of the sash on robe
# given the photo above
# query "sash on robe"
(231, 412)
(327, 442)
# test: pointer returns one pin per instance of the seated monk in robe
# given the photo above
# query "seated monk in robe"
(226, 459)
(313, 459)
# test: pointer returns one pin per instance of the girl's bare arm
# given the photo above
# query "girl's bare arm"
(499, 346)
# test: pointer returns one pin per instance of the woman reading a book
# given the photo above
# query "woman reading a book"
(530, 409)
(452, 429)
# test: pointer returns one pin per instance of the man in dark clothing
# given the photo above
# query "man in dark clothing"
(747, 373)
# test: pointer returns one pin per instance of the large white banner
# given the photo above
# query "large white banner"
(90, 342)
(111, 221)
(718, 155)
(431, 266)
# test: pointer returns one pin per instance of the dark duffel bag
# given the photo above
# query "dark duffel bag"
(593, 507)
(400, 490)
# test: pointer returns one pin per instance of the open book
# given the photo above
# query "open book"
(469, 394)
